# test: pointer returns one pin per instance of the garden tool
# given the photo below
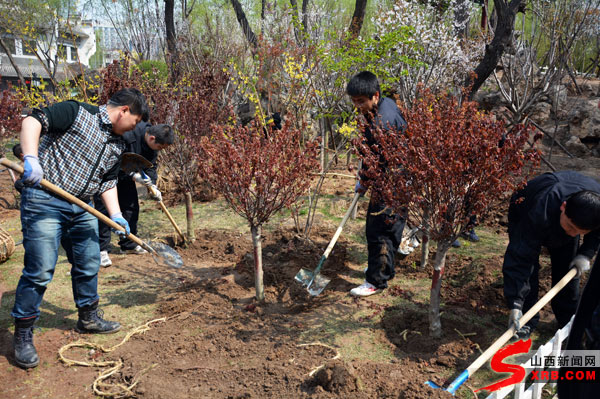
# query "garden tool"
(131, 163)
(504, 338)
(162, 253)
(315, 283)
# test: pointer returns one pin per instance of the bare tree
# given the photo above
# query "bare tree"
(540, 55)
(506, 12)
(241, 17)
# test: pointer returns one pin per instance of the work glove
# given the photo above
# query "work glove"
(155, 193)
(33, 174)
(514, 319)
(359, 188)
(142, 179)
(118, 218)
(582, 263)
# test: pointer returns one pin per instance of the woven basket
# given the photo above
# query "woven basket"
(7, 245)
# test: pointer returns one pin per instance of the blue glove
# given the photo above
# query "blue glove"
(359, 188)
(33, 174)
(118, 218)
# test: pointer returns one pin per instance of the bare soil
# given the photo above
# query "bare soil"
(218, 342)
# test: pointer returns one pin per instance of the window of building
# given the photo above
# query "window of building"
(9, 42)
(29, 47)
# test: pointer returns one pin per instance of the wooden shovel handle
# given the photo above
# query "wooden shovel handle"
(74, 200)
(166, 211)
(524, 319)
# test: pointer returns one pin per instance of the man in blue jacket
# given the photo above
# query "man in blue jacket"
(552, 211)
(383, 228)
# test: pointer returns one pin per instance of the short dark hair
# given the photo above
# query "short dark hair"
(162, 133)
(134, 99)
(583, 208)
(17, 151)
(364, 83)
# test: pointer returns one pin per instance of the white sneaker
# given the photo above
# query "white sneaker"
(137, 250)
(365, 289)
(105, 259)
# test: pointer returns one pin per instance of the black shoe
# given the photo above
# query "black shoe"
(91, 321)
(25, 354)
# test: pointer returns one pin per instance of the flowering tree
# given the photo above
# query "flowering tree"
(190, 105)
(433, 53)
(259, 171)
(452, 163)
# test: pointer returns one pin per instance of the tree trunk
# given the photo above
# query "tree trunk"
(189, 216)
(424, 251)
(502, 36)
(171, 38)
(258, 270)
(12, 62)
(305, 20)
(435, 324)
(358, 18)
(241, 17)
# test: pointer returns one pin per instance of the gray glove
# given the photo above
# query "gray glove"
(514, 319)
(582, 263)
(155, 193)
(145, 180)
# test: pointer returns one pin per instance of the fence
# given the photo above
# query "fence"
(534, 390)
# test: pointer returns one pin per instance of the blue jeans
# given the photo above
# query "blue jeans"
(47, 221)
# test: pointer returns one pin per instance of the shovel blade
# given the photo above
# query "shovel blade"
(165, 255)
(318, 285)
(304, 276)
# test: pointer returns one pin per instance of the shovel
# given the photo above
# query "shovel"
(162, 253)
(464, 376)
(132, 162)
(314, 282)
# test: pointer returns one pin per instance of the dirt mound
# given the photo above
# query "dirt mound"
(338, 377)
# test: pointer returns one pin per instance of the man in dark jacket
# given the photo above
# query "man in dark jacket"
(383, 229)
(552, 211)
(145, 140)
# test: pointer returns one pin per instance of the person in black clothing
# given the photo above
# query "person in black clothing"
(552, 211)
(584, 335)
(145, 140)
(383, 229)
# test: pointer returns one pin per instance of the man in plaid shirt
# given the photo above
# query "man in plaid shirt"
(75, 146)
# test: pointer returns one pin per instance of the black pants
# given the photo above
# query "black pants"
(384, 234)
(590, 301)
(128, 201)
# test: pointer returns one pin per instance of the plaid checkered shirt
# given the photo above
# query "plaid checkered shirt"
(76, 159)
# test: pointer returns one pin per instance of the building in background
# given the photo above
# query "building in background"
(55, 55)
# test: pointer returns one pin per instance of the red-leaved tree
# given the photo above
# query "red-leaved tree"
(10, 117)
(259, 171)
(453, 162)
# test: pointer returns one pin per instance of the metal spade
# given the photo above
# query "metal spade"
(315, 283)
